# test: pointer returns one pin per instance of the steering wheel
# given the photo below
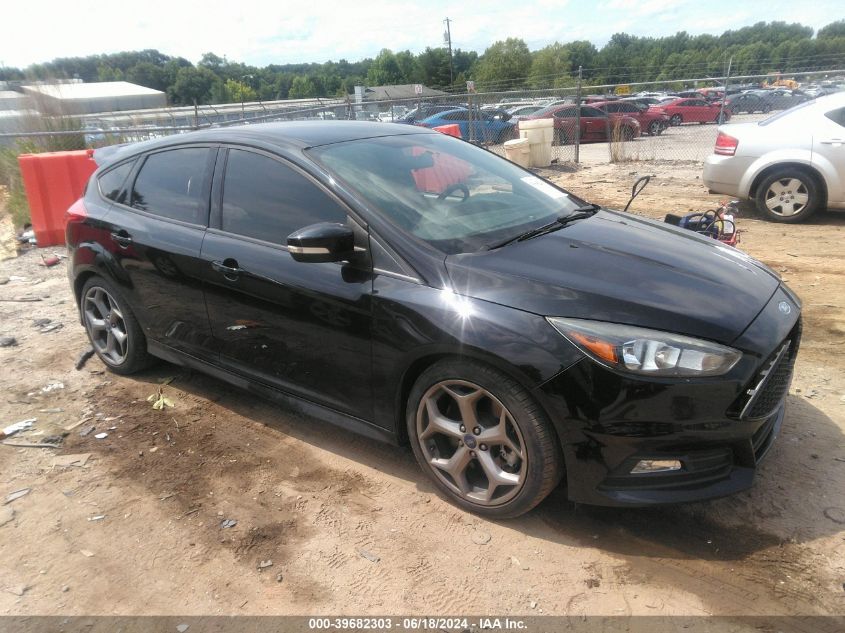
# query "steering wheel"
(459, 186)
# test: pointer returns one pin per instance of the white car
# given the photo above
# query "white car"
(791, 164)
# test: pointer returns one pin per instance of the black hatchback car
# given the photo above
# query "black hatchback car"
(416, 288)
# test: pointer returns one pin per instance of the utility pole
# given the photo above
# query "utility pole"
(578, 116)
(725, 96)
(448, 37)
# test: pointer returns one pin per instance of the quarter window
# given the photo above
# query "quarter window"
(111, 182)
(172, 184)
(265, 199)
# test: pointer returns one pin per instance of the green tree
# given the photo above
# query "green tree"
(385, 70)
(550, 67)
(192, 86)
(302, 87)
(505, 65)
(834, 29)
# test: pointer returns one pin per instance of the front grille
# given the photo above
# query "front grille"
(768, 388)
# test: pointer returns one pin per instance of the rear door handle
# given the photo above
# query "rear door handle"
(228, 268)
(832, 141)
(123, 239)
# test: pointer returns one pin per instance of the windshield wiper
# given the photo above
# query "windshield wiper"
(578, 213)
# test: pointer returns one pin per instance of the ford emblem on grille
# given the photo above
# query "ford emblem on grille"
(784, 307)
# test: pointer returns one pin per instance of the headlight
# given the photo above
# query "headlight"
(648, 352)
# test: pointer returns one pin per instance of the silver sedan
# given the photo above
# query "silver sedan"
(790, 164)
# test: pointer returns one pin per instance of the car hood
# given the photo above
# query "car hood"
(624, 269)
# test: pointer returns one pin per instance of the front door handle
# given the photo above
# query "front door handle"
(228, 268)
(122, 238)
(832, 141)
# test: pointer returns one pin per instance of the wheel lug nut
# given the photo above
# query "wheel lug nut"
(463, 429)
(472, 453)
(460, 443)
(483, 447)
(477, 431)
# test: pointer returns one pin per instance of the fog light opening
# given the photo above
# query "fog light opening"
(656, 466)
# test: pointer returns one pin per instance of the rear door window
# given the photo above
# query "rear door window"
(172, 184)
(266, 199)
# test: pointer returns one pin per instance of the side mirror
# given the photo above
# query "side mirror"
(323, 242)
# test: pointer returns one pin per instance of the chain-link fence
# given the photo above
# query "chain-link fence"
(672, 120)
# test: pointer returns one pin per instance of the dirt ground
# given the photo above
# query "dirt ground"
(350, 525)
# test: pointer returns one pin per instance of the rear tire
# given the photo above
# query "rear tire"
(654, 128)
(112, 328)
(482, 439)
(676, 119)
(789, 195)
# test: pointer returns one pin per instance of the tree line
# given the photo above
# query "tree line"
(505, 65)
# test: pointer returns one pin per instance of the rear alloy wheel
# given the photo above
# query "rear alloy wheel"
(654, 128)
(112, 328)
(676, 119)
(788, 195)
(482, 439)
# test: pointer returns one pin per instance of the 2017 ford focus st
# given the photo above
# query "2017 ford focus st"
(416, 288)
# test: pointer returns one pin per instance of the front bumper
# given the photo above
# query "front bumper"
(719, 429)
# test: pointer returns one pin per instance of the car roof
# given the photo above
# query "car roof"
(288, 134)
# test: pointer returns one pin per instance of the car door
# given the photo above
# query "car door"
(829, 152)
(303, 328)
(595, 124)
(157, 229)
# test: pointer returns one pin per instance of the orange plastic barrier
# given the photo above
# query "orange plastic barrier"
(453, 129)
(54, 181)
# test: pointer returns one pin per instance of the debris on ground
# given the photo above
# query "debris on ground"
(369, 556)
(52, 386)
(17, 494)
(86, 553)
(837, 515)
(87, 431)
(19, 590)
(49, 262)
(159, 400)
(6, 515)
(480, 538)
(17, 426)
(8, 341)
(99, 517)
(101, 436)
(264, 564)
(66, 461)
(279, 577)
(228, 523)
(182, 628)
(83, 358)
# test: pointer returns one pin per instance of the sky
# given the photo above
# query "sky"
(282, 31)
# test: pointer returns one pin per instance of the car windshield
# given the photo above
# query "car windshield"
(451, 194)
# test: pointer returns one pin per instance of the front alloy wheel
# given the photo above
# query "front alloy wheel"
(471, 442)
(482, 438)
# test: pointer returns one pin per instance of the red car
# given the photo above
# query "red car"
(694, 111)
(596, 125)
(652, 120)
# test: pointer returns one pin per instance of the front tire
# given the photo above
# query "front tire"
(112, 328)
(654, 128)
(482, 439)
(788, 195)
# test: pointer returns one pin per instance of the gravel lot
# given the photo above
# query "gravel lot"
(351, 526)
